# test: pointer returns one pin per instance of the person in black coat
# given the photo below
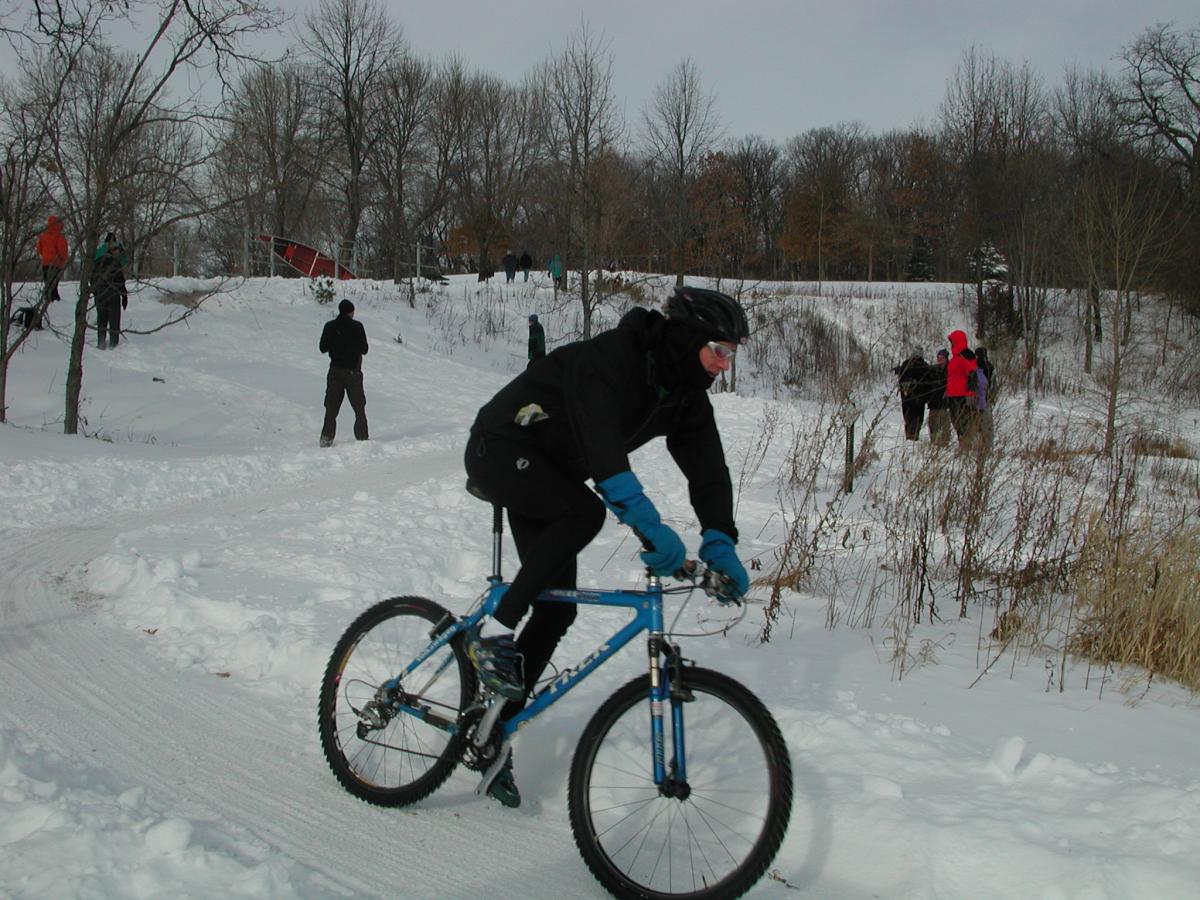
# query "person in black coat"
(537, 339)
(509, 261)
(575, 416)
(345, 340)
(108, 287)
(935, 399)
(526, 263)
(913, 379)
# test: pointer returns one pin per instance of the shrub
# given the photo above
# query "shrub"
(1138, 601)
(322, 289)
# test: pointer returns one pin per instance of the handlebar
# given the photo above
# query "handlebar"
(714, 584)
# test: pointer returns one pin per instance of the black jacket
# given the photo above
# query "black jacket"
(526, 261)
(934, 390)
(591, 403)
(108, 280)
(345, 340)
(913, 379)
(509, 262)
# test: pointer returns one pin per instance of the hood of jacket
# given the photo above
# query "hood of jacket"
(54, 223)
(958, 341)
(673, 350)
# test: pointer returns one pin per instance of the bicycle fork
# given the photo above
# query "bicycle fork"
(667, 686)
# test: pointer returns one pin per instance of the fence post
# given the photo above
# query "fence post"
(175, 256)
(850, 414)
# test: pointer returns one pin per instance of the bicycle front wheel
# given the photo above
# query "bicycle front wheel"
(394, 746)
(711, 834)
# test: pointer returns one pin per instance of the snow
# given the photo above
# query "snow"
(176, 578)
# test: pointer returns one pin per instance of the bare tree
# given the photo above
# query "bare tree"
(681, 128)
(275, 140)
(23, 199)
(1122, 228)
(352, 43)
(759, 167)
(827, 180)
(113, 99)
(994, 116)
(1088, 131)
(494, 151)
(410, 164)
(582, 132)
(1159, 100)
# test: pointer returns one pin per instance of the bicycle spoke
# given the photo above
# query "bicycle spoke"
(394, 745)
(702, 836)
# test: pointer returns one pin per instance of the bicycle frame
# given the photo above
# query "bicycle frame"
(648, 616)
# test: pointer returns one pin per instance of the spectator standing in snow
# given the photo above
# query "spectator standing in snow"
(537, 340)
(345, 340)
(555, 271)
(52, 248)
(526, 263)
(935, 400)
(960, 399)
(102, 248)
(108, 287)
(983, 405)
(913, 378)
(509, 261)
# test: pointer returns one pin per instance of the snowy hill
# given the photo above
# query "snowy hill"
(175, 580)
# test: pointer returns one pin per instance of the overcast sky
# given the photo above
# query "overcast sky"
(780, 67)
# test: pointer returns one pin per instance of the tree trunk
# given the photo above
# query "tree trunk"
(75, 363)
(1110, 417)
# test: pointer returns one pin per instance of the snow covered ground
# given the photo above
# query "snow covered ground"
(174, 581)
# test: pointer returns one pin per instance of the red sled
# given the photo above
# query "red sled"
(306, 260)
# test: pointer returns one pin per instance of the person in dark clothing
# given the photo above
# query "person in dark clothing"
(345, 340)
(526, 263)
(577, 415)
(935, 400)
(984, 362)
(509, 261)
(108, 287)
(913, 378)
(537, 340)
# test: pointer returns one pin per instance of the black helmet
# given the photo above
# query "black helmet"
(711, 312)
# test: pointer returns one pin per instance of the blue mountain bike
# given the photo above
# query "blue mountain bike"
(681, 785)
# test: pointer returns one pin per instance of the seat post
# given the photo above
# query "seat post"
(497, 533)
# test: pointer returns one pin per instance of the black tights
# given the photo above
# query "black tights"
(553, 516)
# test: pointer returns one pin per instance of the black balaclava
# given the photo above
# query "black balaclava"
(678, 358)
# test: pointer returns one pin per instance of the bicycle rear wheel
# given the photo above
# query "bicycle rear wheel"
(384, 755)
(724, 823)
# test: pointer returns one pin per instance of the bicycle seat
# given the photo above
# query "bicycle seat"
(476, 491)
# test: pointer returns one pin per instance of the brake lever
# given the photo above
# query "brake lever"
(719, 587)
(714, 584)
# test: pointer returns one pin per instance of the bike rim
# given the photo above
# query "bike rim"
(406, 748)
(677, 846)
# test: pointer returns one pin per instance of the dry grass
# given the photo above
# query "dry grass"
(1161, 445)
(1138, 602)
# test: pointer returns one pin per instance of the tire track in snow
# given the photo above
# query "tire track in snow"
(206, 750)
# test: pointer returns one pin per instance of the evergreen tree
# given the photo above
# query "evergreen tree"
(920, 260)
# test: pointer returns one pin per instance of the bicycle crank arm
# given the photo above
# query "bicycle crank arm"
(494, 769)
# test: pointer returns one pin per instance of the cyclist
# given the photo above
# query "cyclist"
(577, 414)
